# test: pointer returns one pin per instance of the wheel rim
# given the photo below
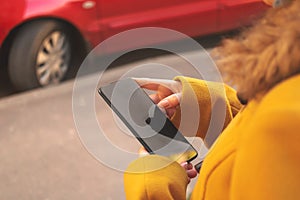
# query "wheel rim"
(53, 59)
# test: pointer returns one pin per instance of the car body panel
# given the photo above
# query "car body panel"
(97, 20)
(71, 11)
(179, 15)
(246, 11)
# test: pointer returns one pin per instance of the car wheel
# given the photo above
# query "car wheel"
(40, 55)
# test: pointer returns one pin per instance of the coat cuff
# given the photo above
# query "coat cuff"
(205, 106)
(155, 177)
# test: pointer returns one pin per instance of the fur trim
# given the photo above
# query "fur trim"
(264, 55)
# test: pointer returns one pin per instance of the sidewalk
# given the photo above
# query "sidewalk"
(41, 154)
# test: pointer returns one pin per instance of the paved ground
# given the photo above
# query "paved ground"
(41, 154)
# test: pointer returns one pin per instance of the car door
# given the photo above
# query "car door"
(235, 13)
(192, 17)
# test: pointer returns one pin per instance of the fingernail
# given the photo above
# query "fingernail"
(164, 104)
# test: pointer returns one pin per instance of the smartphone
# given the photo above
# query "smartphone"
(146, 121)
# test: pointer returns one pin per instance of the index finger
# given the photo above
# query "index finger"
(155, 84)
(147, 83)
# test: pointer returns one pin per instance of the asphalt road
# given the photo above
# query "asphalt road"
(42, 153)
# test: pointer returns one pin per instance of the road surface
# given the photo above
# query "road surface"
(42, 156)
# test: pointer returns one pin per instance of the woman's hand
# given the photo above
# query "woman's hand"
(167, 98)
(168, 93)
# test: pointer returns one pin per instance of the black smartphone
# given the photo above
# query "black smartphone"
(146, 121)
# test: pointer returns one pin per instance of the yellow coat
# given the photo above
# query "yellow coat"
(257, 156)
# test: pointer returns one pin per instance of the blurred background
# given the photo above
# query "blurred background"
(44, 42)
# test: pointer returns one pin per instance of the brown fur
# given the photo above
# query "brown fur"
(264, 55)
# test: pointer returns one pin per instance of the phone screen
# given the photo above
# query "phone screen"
(146, 121)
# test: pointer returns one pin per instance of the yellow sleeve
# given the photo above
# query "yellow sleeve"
(267, 165)
(216, 103)
(155, 177)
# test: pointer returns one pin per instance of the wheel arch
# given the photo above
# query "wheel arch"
(81, 48)
(6, 45)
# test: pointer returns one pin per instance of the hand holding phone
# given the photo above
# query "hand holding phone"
(146, 121)
(167, 93)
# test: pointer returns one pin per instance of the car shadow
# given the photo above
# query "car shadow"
(207, 42)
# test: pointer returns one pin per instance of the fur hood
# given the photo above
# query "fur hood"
(263, 55)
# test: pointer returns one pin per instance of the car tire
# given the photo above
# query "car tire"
(41, 54)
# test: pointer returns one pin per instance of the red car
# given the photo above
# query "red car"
(42, 40)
